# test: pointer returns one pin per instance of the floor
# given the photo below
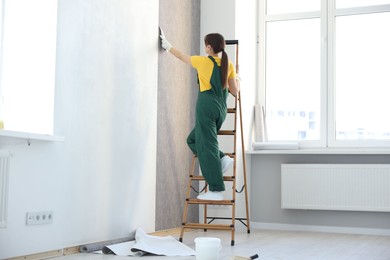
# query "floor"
(272, 244)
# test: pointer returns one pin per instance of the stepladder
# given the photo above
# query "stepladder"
(196, 181)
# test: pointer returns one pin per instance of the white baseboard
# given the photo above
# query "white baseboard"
(326, 229)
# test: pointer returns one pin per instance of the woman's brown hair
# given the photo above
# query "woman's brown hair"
(217, 42)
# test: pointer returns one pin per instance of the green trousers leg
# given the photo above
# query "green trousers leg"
(203, 141)
(192, 146)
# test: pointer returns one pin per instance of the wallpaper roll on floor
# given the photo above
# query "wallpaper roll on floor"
(99, 245)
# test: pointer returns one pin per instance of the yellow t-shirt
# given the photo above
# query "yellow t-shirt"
(204, 66)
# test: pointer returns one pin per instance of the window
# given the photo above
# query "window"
(325, 72)
(27, 64)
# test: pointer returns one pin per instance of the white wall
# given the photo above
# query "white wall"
(103, 174)
(237, 20)
(218, 16)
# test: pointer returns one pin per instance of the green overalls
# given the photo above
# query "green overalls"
(211, 112)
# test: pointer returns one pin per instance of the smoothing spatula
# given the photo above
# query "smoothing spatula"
(161, 32)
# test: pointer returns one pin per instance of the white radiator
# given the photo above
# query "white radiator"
(4, 171)
(356, 187)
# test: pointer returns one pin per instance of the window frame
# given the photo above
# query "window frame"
(327, 15)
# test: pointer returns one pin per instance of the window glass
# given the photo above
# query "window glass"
(288, 6)
(27, 76)
(362, 78)
(293, 80)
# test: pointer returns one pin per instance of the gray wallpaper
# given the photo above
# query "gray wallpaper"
(177, 93)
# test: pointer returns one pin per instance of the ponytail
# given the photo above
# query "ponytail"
(217, 42)
(224, 68)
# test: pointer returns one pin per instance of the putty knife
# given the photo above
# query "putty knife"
(162, 33)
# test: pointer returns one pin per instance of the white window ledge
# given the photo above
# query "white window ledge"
(356, 151)
(15, 137)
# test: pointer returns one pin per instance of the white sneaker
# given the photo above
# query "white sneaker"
(226, 162)
(211, 195)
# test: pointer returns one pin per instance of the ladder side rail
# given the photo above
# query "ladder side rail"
(244, 165)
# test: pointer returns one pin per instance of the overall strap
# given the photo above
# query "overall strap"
(216, 81)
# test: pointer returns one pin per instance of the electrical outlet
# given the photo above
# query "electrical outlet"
(39, 218)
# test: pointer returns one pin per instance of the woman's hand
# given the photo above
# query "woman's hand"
(165, 43)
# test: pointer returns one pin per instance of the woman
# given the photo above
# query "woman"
(216, 76)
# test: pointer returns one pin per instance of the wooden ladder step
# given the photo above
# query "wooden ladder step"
(208, 226)
(201, 178)
(226, 132)
(210, 202)
(232, 110)
(231, 155)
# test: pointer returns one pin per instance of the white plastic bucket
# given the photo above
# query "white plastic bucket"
(207, 248)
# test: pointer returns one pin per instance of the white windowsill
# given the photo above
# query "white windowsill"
(356, 151)
(15, 137)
